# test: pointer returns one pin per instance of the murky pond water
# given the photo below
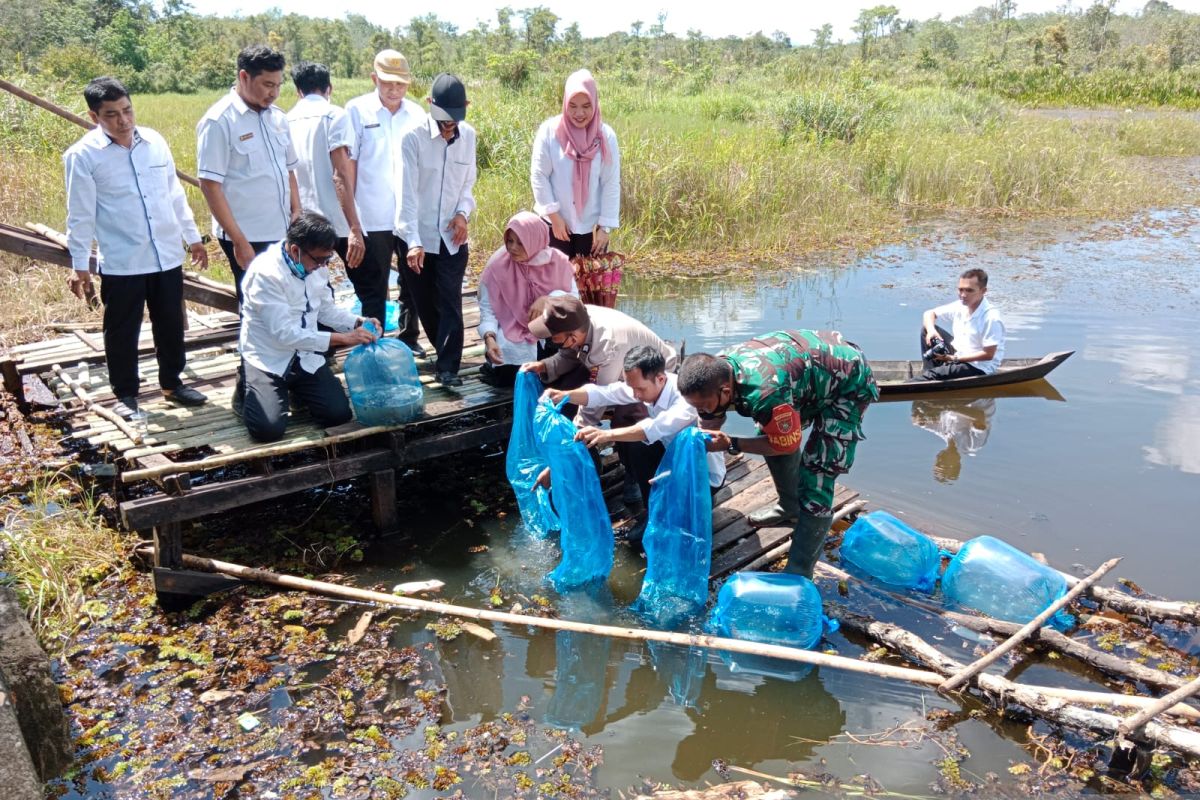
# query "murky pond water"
(1102, 460)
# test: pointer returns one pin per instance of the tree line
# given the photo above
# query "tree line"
(168, 47)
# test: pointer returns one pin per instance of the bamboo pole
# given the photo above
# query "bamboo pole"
(978, 666)
(1155, 609)
(1139, 719)
(100, 410)
(53, 108)
(919, 676)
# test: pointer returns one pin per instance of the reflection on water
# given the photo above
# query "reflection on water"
(579, 679)
(964, 425)
(1177, 437)
(1148, 360)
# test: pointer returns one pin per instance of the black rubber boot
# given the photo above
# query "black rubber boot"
(785, 474)
(808, 539)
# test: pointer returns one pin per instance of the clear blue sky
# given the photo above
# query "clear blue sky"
(796, 18)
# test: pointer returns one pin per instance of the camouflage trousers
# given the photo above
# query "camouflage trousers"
(829, 447)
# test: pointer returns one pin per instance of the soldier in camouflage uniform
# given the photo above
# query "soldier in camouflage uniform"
(787, 381)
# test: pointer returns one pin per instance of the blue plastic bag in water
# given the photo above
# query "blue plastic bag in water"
(678, 537)
(682, 669)
(773, 608)
(582, 661)
(884, 548)
(383, 383)
(586, 533)
(997, 579)
(524, 461)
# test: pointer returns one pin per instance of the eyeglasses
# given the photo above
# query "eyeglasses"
(319, 262)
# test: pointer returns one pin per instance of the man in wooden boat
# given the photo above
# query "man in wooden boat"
(787, 381)
(964, 337)
(646, 381)
(122, 191)
(286, 295)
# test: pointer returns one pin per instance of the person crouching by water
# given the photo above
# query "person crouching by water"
(285, 295)
(786, 381)
(593, 343)
(518, 273)
(576, 171)
(974, 341)
(646, 381)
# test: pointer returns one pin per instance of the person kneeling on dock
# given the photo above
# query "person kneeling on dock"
(785, 381)
(285, 295)
(648, 382)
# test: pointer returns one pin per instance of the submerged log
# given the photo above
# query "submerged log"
(1002, 691)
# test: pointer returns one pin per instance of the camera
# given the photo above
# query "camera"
(936, 348)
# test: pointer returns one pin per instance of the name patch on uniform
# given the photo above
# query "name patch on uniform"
(246, 136)
(372, 125)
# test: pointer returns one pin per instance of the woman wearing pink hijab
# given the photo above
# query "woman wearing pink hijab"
(576, 172)
(518, 273)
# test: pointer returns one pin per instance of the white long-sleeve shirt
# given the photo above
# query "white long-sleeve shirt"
(129, 201)
(318, 128)
(437, 180)
(250, 154)
(669, 415)
(280, 312)
(552, 175)
(377, 134)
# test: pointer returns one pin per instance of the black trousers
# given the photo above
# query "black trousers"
(238, 272)
(940, 372)
(579, 244)
(437, 292)
(268, 403)
(125, 298)
(370, 281)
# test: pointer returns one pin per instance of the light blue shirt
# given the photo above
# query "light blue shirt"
(129, 201)
(437, 180)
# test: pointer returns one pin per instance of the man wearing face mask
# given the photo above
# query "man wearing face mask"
(786, 381)
(246, 162)
(434, 208)
(286, 296)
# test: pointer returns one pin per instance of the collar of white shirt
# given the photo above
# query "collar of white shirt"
(98, 139)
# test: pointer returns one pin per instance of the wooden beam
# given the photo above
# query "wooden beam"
(383, 500)
(168, 545)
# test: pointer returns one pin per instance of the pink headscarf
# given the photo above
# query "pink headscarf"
(581, 144)
(513, 285)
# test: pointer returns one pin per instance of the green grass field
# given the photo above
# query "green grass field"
(712, 173)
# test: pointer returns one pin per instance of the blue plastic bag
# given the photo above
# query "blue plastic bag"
(773, 608)
(586, 533)
(997, 579)
(579, 675)
(383, 383)
(524, 461)
(391, 314)
(678, 537)
(884, 548)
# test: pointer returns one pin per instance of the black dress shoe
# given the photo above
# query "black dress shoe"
(185, 396)
(417, 350)
(449, 379)
(125, 407)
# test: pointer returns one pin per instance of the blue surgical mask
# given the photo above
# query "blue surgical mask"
(295, 266)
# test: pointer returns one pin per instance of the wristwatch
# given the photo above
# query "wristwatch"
(735, 446)
(606, 229)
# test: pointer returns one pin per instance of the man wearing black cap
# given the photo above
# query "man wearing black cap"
(435, 206)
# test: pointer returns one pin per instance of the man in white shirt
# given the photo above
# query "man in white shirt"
(123, 193)
(646, 381)
(246, 162)
(286, 297)
(969, 331)
(324, 139)
(435, 206)
(380, 119)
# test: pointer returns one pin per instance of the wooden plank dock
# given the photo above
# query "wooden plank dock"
(192, 462)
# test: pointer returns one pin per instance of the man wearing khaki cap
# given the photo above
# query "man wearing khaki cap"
(380, 119)
(594, 340)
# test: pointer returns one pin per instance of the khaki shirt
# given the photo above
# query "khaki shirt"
(610, 336)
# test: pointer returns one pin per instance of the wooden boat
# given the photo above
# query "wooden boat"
(899, 377)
